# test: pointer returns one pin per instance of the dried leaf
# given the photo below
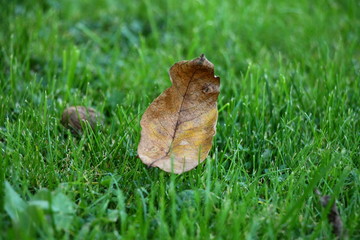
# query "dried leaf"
(73, 117)
(178, 126)
(333, 216)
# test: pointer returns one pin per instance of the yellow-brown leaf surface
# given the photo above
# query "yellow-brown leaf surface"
(178, 126)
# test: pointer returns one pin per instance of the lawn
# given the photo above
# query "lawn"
(289, 111)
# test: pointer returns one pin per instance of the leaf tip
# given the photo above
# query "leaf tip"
(202, 58)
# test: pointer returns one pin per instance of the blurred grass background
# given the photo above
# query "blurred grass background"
(288, 121)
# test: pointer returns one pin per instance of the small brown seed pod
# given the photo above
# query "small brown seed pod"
(74, 118)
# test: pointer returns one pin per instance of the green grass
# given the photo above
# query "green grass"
(288, 120)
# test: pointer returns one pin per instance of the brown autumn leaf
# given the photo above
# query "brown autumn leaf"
(178, 126)
(333, 215)
(73, 118)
